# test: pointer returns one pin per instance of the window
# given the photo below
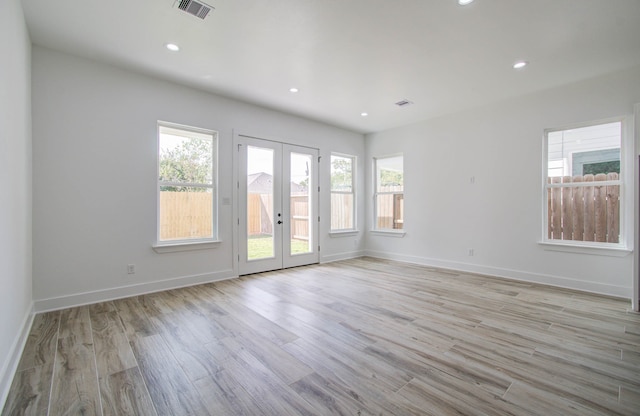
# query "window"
(583, 181)
(187, 200)
(343, 205)
(389, 193)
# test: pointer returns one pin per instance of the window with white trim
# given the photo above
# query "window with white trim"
(343, 199)
(187, 197)
(583, 179)
(389, 193)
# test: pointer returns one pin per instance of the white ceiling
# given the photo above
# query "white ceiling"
(352, 56)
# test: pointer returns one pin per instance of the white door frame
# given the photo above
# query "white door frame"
(635, 288)
(283, 257)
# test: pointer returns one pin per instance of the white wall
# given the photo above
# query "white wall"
(94, 178)
(15, 198)
(500, 215)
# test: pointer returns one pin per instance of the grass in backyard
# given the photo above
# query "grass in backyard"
(260, 247)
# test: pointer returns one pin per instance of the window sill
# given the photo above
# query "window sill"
(161, 248)
(345, 233)
(586, 248)
(389, 233)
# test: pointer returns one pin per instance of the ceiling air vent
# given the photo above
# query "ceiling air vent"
(196, 8)
(404, 103)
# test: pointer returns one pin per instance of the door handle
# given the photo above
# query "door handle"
(279, 222)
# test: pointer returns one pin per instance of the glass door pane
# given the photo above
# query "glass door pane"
(260, 212)
(300, 203)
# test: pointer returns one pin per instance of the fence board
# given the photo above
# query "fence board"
(567, 210)
(613, 210)
(549, 211)
(589, 213)
(600, 206)
(556, 210)
(578, 210)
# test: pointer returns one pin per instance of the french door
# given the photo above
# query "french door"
(278, 205)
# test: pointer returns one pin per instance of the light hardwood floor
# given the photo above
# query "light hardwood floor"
(357, 337)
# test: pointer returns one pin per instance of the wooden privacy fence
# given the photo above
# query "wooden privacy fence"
(185, 215)
(300, 217)
(390, 207)
(260, 217)
(390, 211)
(584, 212)
(341, 211)
(189, 214)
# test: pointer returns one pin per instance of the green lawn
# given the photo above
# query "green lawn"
(262, 246)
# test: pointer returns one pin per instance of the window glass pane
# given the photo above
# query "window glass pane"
(342, 192)
(260, 203)
(341, 211)
(389, 193)
(341, 174)
(389, 174)
(186, 212)
(578, 207)
(185, 158)
(585, 150)
(390, 210)
(300, 207)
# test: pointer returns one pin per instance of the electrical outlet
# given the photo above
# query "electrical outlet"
(131, 268)
(470, 252)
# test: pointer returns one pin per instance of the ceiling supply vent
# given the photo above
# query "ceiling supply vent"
(404, 103)
(196, 8)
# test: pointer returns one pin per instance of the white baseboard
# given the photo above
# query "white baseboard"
(86, 298)
(545, 279)
(10, 364)
(341, 256)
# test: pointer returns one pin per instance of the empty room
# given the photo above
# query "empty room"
(320, 207)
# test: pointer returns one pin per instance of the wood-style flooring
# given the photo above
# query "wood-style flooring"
(356, 337)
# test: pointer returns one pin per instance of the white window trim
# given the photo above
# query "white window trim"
(388, 233)
(341, 232)
(170, 246)
(174, 247)
(374, 229)
(627, 152)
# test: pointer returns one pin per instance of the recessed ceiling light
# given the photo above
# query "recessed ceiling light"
(364, 114)
(294, 90)
(464, 2)
(172, 47)
(520, 64)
